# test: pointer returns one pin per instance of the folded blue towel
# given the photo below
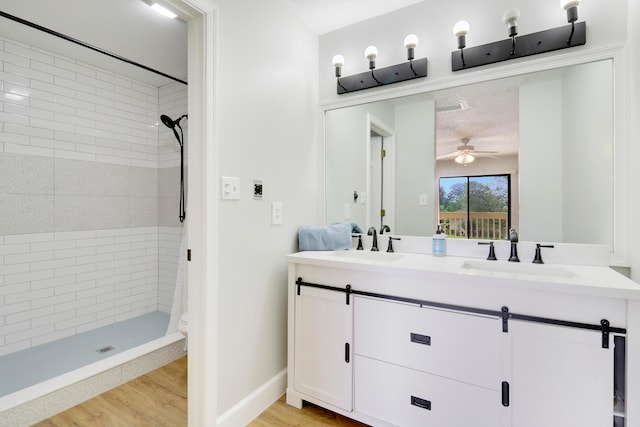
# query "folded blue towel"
(355, 228)
(324, 238)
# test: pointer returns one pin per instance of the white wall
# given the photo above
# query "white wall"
(587, 154)
(540, 158)
(415, 165)
(266, 127)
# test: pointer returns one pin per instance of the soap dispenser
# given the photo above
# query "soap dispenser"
(439, 242)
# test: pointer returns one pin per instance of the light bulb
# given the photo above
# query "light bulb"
(411, 41)
(566, 4)
(464, 159)
(338, 61)
(510, 18)
(461, 28)
(571, 6)
(371, 53)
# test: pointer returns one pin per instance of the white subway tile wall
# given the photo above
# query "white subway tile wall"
(89, 187)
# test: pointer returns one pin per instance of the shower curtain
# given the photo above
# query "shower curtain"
(179, 305)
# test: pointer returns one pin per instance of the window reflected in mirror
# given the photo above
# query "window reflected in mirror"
(475, 207)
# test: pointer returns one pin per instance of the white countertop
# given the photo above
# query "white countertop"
(573, 279)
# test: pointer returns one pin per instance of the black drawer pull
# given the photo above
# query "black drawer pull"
(421, 339)
(421, 403)
(505, 393)
(347, 352)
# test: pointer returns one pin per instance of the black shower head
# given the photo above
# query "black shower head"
(171, 123)
(167, 121)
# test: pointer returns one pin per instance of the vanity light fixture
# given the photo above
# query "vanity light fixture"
(415, 68)
(530, 44)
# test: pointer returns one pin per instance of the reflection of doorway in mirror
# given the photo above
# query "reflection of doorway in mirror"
(381, 175)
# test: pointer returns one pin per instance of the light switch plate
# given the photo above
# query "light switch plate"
(276, 213)
(362, 197)
(230, 188)
(422, 199)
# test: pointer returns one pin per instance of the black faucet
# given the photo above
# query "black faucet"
(538, 257)
(359, 236)
(390, 245)
(384, 228)
(372, 232)
(492, 250)
(513, 236)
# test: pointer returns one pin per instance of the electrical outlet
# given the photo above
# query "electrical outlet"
(230, 188)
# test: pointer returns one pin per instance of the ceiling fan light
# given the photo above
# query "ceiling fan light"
(464, 159)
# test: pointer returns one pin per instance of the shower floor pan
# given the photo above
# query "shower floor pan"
(56, 376)
(36, 364)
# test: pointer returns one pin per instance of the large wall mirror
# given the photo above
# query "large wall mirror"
(413, 161)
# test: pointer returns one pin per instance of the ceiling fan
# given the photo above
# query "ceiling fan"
(464, 153)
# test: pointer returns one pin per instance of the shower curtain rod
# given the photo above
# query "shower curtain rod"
(87, 45)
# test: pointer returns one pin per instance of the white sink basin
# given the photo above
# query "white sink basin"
(384, 257)
(517, 268)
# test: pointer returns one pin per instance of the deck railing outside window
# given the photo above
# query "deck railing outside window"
(482, 225)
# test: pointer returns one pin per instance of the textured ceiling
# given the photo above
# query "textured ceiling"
(323, 16)
(489, 117)
(485, 113)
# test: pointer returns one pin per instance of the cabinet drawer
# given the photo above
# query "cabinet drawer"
(449, 344)
(407, 398)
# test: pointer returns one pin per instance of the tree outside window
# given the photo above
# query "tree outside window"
(476, 207)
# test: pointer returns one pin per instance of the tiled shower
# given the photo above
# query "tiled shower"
(89, 188)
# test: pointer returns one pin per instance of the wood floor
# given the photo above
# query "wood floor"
(282, 415)
(159, 398)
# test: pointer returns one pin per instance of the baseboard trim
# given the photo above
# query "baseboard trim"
(254, 404)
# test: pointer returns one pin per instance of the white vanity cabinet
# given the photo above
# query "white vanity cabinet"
(417, 366)
(561, 376)
(323, 336)
(417, 341)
